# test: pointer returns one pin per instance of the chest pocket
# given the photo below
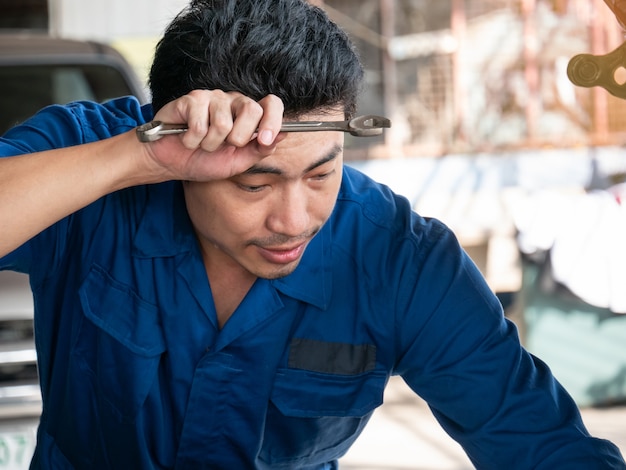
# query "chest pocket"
(314, 417)
(119, 343)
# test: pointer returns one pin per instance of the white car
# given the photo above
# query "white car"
(35, 71)
(20, 398)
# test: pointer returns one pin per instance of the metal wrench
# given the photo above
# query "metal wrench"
(588, 70)
(362, 126)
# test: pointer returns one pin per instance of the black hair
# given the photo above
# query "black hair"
(288, 48)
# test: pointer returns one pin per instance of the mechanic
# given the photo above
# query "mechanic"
(233, 297)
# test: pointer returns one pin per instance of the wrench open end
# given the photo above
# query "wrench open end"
(370, 125)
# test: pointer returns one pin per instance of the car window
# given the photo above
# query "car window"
(25, 89)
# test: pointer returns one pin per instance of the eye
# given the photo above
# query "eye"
(322, 176)
(251, 189)
(251, 183)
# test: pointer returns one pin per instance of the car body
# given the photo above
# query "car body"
(35, 71)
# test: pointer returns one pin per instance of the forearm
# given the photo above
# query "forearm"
(39, 189)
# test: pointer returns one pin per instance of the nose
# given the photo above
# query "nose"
(290, 215)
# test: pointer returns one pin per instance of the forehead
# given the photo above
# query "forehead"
(300, 152)
(309, 145)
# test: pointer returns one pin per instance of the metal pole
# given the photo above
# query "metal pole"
(599, 96)
(390, 75)
(55, 17)
(531, 69)
(458, 23)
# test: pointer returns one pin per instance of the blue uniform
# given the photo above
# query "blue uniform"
(135, 372)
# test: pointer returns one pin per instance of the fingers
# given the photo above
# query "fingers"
(215, 118)
(271, 120)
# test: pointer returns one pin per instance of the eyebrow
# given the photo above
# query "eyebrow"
(262, 169)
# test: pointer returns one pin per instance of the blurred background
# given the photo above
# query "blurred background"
(489, 135)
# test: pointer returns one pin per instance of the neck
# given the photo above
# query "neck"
(229, 282)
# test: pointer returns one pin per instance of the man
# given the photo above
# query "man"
(234, 297)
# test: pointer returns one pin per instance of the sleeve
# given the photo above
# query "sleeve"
(61, 126)
(80, 122)
(458, 352)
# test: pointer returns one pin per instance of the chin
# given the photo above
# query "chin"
(277, 273)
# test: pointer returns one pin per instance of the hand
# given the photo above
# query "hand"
(227, 134)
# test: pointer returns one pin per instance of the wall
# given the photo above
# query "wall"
(133, 27)
(111, 19)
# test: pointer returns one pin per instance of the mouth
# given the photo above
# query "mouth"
(282, 255)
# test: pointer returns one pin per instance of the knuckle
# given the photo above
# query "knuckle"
(196, 97)
(197, 126)
(196, 93)
(182, 104)
(273, 100)
(249, 107)
(221, 124)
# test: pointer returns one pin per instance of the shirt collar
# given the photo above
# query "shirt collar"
(165, 230)
(311, 282)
